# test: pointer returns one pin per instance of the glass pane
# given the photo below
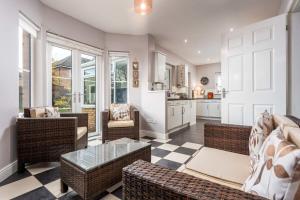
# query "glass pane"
(24, 71)
(62, 79)
(88, 67)
(119, 68)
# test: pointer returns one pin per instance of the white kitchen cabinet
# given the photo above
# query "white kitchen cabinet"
(171, 117)
(209, 108)
(160, 67)
(186, 111)
(179, 113)
(214, 110)
(193, 112)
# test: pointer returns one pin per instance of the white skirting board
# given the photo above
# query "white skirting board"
(8, 170)
(153, 134)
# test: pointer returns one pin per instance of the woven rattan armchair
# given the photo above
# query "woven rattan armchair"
(45, 139)
(115, 133)
(143, 180)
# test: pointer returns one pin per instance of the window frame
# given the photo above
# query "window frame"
(120, 55)
(25, 24)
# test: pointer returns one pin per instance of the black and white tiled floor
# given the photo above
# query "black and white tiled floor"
(42, 181)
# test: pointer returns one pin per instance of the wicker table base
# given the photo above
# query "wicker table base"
(90, 183)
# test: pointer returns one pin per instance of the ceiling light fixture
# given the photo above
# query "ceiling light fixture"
(185, 41)
(199, 52)
(231, 29)
(143, 7)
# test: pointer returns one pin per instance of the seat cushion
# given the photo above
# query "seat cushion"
(213, 179)
(120, 124)
(292, 135)
(221, 164)
(81, 131)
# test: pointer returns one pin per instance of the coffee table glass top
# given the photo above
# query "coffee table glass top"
(95, 156)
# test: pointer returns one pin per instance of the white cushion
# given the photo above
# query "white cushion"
(120, 124)
(237, 186)
(224, 165)
(81, 131)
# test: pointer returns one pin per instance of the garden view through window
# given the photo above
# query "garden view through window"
(119, 79)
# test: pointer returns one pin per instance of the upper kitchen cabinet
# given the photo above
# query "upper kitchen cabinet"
(160, 67)
(182, 75)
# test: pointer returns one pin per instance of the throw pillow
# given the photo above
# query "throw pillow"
(52, 112)
(120, 112)
(262, 128)
(38, 112)
(276, 175)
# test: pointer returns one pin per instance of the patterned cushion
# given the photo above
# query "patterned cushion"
(38, 112)
(277, 173)
(262, 128)
(120, 112)
(52, 112)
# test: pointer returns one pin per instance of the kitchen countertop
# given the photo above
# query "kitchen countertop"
(170, 99)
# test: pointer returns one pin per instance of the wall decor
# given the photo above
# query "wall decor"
(135, 83)
(135, 74)
(204, 80)
(135, 65)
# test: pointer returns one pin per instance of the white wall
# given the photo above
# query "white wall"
(208, 71)
(294, 70)
(9, 102)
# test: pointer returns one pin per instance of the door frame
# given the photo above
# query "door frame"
(77, 49)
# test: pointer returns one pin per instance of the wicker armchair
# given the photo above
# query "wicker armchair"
(45, 139)
(143, 180)
(132, 132)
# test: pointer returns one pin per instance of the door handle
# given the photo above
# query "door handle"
(74, 97)
(224, 92)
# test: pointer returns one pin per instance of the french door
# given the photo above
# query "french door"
(74, 75)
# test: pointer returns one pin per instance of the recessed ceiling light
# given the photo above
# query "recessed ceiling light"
(231, 29)
(199, 52)
(208, 59)
(185, 40)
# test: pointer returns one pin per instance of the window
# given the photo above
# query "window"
(27, 35)
(119, 79)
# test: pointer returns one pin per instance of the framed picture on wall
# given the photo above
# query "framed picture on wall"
(135, 65)
(135, 75)
(135, 83)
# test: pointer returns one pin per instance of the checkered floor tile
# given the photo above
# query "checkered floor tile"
(42, 181)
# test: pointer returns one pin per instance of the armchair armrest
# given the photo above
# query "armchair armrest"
(143, 180)
(47, 130)
(135, 116)
(83, 118)
(233, 138)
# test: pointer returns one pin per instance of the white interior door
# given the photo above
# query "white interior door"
(254, 71)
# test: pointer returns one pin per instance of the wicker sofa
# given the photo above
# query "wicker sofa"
(143, 180)
(45, 139)
(112, 130)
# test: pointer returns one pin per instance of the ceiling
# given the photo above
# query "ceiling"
(201, 22)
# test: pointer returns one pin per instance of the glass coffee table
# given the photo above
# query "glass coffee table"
(91, 171)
